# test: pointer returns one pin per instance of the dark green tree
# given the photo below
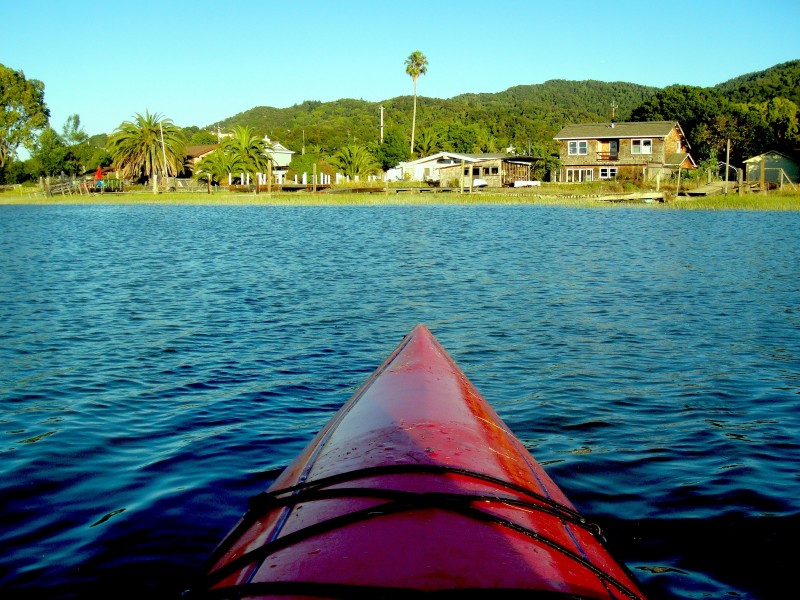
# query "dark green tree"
(51, 156)
(392, 151)
(202, 138)
(23, 112)
(72, 133)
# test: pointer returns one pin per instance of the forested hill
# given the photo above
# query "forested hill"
(781, 81)
(521, 115)
(527, 116)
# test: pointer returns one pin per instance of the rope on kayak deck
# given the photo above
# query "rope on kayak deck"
(359, 592)
(398, 501)
(264, 501)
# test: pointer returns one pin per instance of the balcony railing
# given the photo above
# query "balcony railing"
(608, 156)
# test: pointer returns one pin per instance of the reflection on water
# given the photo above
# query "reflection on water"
(157, 362)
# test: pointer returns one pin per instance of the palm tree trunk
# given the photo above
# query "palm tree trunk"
(414, 118)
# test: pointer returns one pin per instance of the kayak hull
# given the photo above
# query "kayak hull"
(415, 485)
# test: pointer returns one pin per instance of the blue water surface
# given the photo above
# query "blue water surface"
(157, 361)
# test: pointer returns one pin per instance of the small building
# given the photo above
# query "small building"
(777, 167)
(281, 156)
(496, 171)
(428, 168)
(194, 154)
(594, 151)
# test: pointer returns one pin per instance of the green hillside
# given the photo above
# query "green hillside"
(519, 116)
(746, 108)
(779, 81)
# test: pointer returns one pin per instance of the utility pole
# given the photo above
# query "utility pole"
(381, 124)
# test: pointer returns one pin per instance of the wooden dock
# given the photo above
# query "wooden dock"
(633, 197)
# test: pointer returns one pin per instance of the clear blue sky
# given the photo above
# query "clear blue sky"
(203, 61)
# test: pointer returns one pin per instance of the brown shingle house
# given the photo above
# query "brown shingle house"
(594, 151)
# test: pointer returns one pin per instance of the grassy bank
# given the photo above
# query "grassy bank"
(549, 195)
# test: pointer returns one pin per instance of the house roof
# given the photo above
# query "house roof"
(278, 147)
(197, 151)
(758, 158)
(452, 155)
(677, 159)
(617, 130)
(512, 159)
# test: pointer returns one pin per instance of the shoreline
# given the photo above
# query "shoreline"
(760, 202)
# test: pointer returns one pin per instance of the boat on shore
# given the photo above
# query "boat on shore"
(414, 487)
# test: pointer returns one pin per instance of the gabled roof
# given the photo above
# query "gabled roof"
(278, 147)
(657, 129)
(197, 151)
(677, 159)
(771, 153)
(470, 158)
(507, 158)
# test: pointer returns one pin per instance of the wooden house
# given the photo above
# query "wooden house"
(428, 168)
(194, 154)
(595, 151)
(495, 171)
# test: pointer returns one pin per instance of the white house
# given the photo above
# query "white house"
(427, 168)
(281, 156)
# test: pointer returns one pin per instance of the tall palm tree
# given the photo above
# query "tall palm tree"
(249, 150)
(149, 146)
(416, 65)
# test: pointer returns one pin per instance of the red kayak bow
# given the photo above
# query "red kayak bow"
(414, 487)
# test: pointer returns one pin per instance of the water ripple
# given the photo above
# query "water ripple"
(159, 362)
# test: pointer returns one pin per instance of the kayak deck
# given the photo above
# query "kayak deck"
(414, 486)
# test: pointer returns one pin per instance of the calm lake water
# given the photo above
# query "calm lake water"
(157, 361)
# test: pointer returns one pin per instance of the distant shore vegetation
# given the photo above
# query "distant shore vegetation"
(566, 195)
(751, 114)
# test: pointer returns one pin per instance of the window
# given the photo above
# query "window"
(578, 175)
(641, 146)
(579, 147)
(608, 172)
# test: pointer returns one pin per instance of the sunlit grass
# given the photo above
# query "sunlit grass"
(581, 196)
(784, 201)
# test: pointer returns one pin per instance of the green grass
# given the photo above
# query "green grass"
(583, 196)
(783, 201)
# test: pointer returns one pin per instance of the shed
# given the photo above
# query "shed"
(777, 167)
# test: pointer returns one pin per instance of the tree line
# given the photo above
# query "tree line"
(756, 112)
